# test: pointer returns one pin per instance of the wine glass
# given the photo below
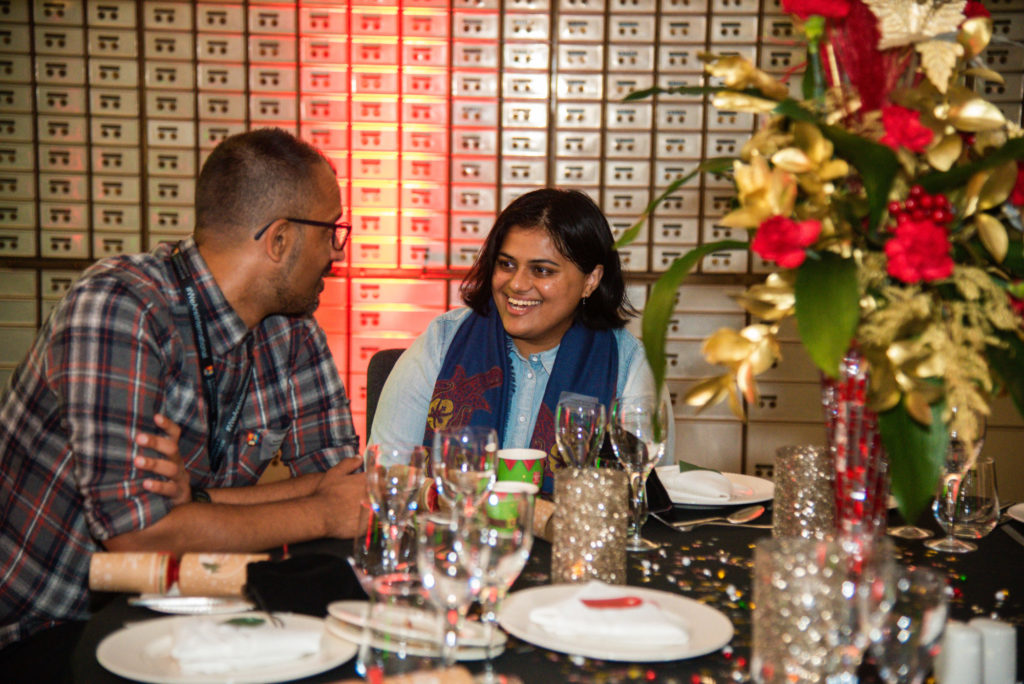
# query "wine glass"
(447, 553)
(639, 430)
(579, 429)
(394, 476)
(505, 531)
(947, 503)
(905, 638)
(369, 553)
(978, 506)
(401, 634)
(465, 464)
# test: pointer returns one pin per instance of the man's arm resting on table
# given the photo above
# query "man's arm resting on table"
(332, 509)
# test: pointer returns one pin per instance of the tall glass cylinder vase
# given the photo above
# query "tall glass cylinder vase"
(854, 442)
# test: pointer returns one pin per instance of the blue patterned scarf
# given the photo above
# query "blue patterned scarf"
(475, 385)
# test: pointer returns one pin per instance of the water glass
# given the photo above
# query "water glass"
(370, 554)
(962, 453)
(505, 531)
(447, 557)
(639, 431)
(579, 430)
(402, 631)
(394, 475)
(906, 638)
(465, 463)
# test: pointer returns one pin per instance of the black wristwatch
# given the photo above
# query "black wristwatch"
(200, 495)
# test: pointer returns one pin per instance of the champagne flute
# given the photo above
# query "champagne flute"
(394, 475)
(505, 532)
(447, 554)
(579, 429)
(947, 503)
(639, 430)
(465, 464)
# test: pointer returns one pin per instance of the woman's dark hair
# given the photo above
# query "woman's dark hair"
(580, 233)
(254, 177)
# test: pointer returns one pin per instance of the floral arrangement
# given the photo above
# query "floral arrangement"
(888, 195)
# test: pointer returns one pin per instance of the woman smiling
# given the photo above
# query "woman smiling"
(546, 315)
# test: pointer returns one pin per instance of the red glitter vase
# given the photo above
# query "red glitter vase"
(861, 478)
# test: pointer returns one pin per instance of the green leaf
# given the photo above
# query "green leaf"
(876, 164)
(1008, 363)
(939, 181)
(916, 456)
(827, 308)
(662, 299)
(713, 165)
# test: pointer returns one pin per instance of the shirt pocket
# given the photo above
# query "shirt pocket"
(264, 444)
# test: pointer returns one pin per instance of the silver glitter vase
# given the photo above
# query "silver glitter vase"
(590, 520)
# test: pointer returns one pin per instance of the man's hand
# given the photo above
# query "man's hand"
(176, 487)
(342, 495)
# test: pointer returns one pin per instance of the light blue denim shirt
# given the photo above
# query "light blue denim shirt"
(402, 410)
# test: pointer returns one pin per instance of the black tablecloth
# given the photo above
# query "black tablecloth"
(711, 564)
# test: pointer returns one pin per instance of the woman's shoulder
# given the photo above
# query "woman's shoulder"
(627, 341)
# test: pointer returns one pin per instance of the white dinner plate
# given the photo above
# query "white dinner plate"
(1016, 511)
(192, 605)
(708, 629)
(142, 651)
(350, 632)
(420, 624)
(746, 489)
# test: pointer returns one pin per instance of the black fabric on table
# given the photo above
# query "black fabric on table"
(302, 584)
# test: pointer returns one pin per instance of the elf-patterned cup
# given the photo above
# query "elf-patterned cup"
(521, 465)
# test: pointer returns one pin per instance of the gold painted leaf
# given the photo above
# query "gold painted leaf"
(726, 347)
(793, 160)
(976, 115)
(975, 34)
(998, 186)
(993, 235)
(708, 392)
(938, 57)
(985, 74)
(942, 155)
(741, 102)
(918, 408)
(904, 22)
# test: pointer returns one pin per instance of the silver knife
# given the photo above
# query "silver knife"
(1014, 534)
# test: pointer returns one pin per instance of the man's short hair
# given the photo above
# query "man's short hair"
(252, 178)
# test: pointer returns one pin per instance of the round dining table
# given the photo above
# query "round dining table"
(710, 564)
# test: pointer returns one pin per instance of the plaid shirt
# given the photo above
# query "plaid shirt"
(118, 349)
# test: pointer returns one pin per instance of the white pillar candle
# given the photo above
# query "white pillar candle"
(998, 650)
(959, 662)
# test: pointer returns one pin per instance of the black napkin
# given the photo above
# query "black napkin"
(302, 584)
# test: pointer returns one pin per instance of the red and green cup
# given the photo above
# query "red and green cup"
(521, 465)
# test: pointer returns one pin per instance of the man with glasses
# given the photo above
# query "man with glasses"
(163, 385)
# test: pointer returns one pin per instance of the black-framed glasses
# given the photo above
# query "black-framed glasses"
(339, 235)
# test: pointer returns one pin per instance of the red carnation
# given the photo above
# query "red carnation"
(919, 250)
(782, 240)
(833, 9)
(1017, 194)
(903, 127)
(975, 9)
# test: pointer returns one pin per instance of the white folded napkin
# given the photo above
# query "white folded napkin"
(639, 624)
(696, 484)
(210, 646)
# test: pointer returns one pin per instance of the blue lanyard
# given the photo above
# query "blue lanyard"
(217, 441)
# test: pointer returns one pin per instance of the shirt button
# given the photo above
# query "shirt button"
(522, 419)
(534, 358)
(530, 375)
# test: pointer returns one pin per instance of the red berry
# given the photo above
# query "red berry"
(894, 207)
(919, 214)
(939, 216)
(916, 190)
(927, 201)
(910, 204)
